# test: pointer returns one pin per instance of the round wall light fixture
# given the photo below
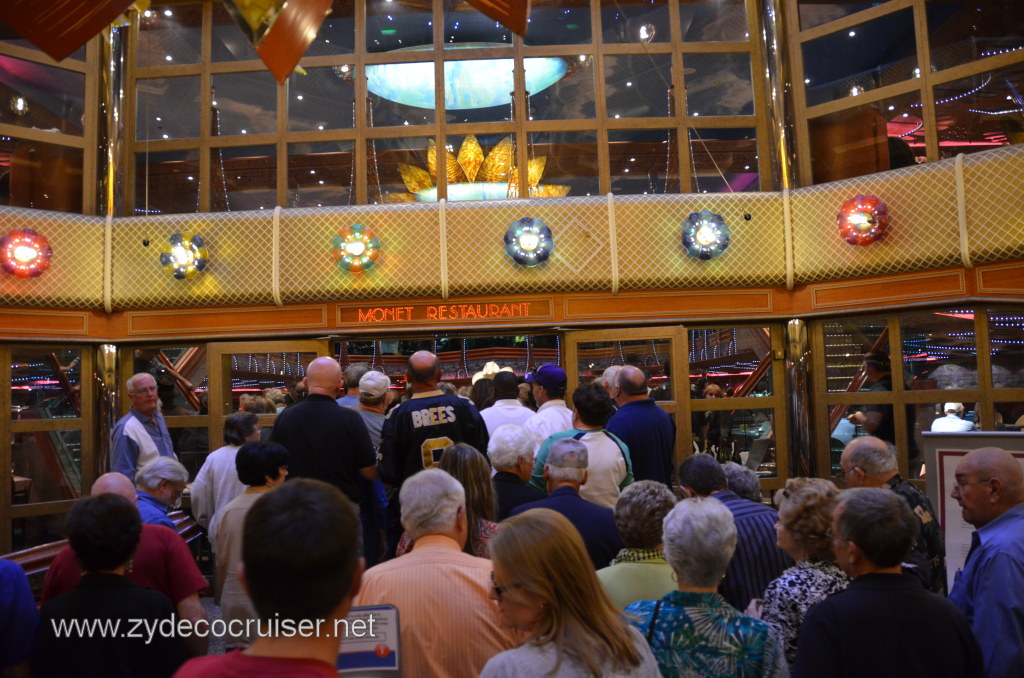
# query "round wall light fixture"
(186, 256)
(24, 253)
(529, 241)
(863, 220)
(705, 235)
(356, 248)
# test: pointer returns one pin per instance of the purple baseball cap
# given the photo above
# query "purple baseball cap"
(548, 375)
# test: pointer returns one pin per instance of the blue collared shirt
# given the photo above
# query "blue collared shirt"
(153, 511)
(989, 590)
(125, 447)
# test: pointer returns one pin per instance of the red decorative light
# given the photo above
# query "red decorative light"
(24, 253)
(863, 220)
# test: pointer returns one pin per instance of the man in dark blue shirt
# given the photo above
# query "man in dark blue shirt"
(647, 430)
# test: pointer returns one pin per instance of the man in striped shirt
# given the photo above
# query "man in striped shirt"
(757, 559)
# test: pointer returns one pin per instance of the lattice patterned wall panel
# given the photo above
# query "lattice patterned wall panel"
(651, 254)
(994, 185)
(477, 263)
(923, 232)
(409, 265)
(75, 277)
(239, 272)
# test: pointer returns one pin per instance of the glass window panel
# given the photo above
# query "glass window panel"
(167, 108)
(465, 25)
(638, 86)
(46, 383)
(191, 444)
(643, 161)
(870, 55)
(479, 90)
(723, 20)
(167, 182)
(980, 112)
(394, 25)
(650, 355)
(252, 373)
(481, 170)
(1006, 346)
(337, 34)
(170, 34)
(846, 342)
(181, 376)
(246, 103)
(322, 99)
(960, 31)
(640, 23)
(401, 94)
(814, 12)
(745, 436)
(43, 176)
(723, 160)
(571, 97)
(571, 163)
(35, 531)
(229, 42)
(939, 350)
(40, 96)
(320, 173)
(243, 178)
(384, 180)
(47, 465)
(730, 362)
(559, 22)
(880, 136)
(718, 84)
(1009, 416)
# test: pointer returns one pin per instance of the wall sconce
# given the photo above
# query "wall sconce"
(863, 220)
(186, 257)
(529, 241)
(705, 235)
(24, 253)
(356, 248)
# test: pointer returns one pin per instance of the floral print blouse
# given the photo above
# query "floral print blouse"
(788, 598)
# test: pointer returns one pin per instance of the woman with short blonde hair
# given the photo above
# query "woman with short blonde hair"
(545, 586)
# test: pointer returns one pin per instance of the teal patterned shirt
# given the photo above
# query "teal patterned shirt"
(699, 635)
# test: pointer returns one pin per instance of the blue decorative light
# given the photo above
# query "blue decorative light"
(529, 241)
(705, 235)
(475, 83)
(186, 257)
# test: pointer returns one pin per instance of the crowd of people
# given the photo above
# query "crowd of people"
(515, 539)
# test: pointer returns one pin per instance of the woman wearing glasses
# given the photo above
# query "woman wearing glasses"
(545, 586)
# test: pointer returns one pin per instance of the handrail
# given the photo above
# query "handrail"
(856, 382)
(182, 384)
(73, 396)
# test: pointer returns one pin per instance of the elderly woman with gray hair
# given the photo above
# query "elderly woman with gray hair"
(510, 450)
(693, 631)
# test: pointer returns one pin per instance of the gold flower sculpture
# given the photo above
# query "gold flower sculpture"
(474, 176)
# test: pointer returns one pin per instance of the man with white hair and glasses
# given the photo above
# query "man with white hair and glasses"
(140, 436)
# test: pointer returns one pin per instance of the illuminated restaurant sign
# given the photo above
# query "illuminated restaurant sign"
(446, 312)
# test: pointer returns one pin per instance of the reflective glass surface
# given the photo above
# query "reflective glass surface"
(401, 94)
(960, 31)
(482, 167)
(40, 96)
(43, 176)
(571, 165)
(47, 466)
(814, 12)
(744, 436)
(464, 24)
(337, 34)
(846, 342)
(644, 161)
(229, 43)
(1009, 416)
(650, 355)
(167, 182)
(45, 383)
(868, 56)
(569, 98)
(398, 24)
(322, 99)
(730, 362)
(170, 34)
(980, 112)
(638, 85)
(385, 183)
(939, 350)
(723, 159)
(243, 178)
(320, 173)
(558, 22)
(884, 135)
(1006, 341)
(718, 84)
(722, 20)
(246, 103)
(36, 530)
(181, 377)
(252, 373)
(641, 23)
(167, 108)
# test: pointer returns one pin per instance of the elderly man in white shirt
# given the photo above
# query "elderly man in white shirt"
(548, 382)
(953, 421)
(507, 409)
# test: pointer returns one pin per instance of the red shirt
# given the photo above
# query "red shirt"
(238, 665)
(163, 563)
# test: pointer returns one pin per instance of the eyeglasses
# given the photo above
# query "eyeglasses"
(959, 485)
(499, 591)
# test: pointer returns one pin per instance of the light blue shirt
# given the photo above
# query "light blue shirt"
(989, 590)
(154, 511)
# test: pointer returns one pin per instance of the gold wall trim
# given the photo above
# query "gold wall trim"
(49, 323)
(692, 303)
(889, 289)
(225, 321)
(1001, 279)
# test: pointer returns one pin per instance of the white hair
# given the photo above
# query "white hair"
(561, 474)
(152, 474)
(700, 537)
(874, 455)
(508, 444)
(430, 502)
(607, 378)
(133, 380)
